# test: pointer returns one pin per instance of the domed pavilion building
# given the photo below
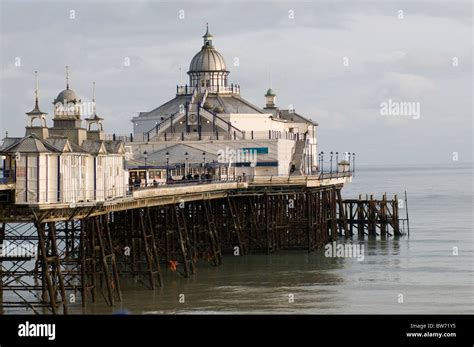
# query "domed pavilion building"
(208, 115)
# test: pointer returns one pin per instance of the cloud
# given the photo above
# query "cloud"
(409, 59)
(407, 87)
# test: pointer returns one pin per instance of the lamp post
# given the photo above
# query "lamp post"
(337, 162)
(203, 162)
(186, 164)
(330, 169)
(353, 163)
(322, 164)
(145, 155)
(167, 166)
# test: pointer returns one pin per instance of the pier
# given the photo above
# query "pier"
(203, 175)
(77, 253)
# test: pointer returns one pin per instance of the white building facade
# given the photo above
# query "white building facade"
(210, 115)
(65, 163)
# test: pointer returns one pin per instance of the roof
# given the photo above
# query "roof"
(208, 59)
(67, 95)
(114, 147)
(176, 156)
(230, 104)
(166, 109)
(36, 110)
(95, 118)
(62, 144)
(102, 146)
(295, 117)
(235, 104)
(93, 146)
(270, 92)
(8, 141)
(30, 144)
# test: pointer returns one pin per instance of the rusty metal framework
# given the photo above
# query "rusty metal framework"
(86, 253)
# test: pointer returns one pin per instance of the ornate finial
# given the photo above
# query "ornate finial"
(93, 91)
(67, 77)
(270, 76)
(93, 97)
(207, 36)
(36, 89)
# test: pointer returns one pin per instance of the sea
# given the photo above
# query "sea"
(431, 271)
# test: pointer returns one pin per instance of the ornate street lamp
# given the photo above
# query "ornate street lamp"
(145, 155)
(322, 164)
(353, 163)
(167, 166)
(186, 164)
(330, 170)
(203, 162)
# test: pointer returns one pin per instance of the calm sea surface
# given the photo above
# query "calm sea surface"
(422, 268)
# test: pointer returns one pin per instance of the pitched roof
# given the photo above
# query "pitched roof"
(64, 145)
(234, 104)
(103, 146)
(93, 146)
(115, 147)
(176, 156)
(8, 141)
(30, 144)
(166, 109)
(295, 117)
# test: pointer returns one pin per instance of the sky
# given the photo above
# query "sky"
(339, 63)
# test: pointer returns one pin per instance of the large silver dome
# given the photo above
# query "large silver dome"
(208, 59)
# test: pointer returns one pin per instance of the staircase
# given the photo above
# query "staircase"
(298, 157)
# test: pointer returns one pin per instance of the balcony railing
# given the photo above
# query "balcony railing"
(188, 90)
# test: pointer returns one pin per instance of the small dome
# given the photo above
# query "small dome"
(270, 92)
(208, 59)
(67, 95)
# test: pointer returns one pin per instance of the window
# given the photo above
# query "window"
(32, 173)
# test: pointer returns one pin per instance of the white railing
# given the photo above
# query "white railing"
(188, 90)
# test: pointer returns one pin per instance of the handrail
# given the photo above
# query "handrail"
(158, 126)
(226, 122)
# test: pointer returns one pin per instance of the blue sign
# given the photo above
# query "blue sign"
(258, 150)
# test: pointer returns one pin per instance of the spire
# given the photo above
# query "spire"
(93, 98)
(67, 77)
(36, 110)
(207, 36)
(36, 90)
(94, 118)
(270, 76)
(42, 130)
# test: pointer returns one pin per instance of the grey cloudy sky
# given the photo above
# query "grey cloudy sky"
(407, 60)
